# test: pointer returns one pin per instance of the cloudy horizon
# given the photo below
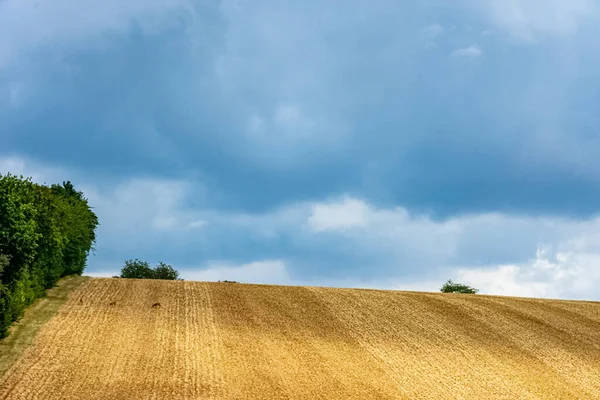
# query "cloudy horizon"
(389, 146)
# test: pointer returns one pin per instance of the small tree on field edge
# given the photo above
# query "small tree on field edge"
(165, 271)
(453, 287)
(137, 269)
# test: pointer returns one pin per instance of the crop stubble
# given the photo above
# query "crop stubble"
(220, 341)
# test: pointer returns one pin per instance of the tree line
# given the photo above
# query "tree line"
(46, 232)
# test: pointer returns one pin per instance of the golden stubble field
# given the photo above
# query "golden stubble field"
(233, 341)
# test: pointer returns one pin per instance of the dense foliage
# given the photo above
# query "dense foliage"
(45, 233)
(453, 287)
(138, 269)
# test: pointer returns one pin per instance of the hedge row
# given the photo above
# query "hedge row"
(45, 233)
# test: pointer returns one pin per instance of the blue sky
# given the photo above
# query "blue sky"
(389, 145)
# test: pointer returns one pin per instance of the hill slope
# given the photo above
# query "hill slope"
(219, 340)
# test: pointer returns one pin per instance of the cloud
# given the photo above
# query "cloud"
(431, 33)
(288, 134)
(144, 204)
(340, 241)
(349, 213)
(344, 142)
(531, 21)
(564, 274)
(473, 51)
(38, 172)
(125, 207)
(196, 224)
(566, 252)
(276, 104)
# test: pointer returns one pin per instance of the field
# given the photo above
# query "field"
(234, 341)
(23, 333)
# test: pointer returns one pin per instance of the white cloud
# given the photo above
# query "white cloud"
(431, 33)
(562, 274)
(287, 126)
(509, 280)
(288, 137)
(17, 165)
(199, 223)
(349, 213)
(144, 204)
(289, 133)
(559, 256)
(399, 249)
(473, 51)
(395, 234)
(289, 114)
(530, 20)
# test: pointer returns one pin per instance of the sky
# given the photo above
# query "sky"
(388, 144)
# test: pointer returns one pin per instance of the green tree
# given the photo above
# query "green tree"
(21, 282)
(52, 225)
(4, 261)
(18, 224)
(45, 234)
(137, 269)
(453, 287)
(81, 232)
(165, 271)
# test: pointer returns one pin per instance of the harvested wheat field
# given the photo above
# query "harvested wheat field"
(110, 340)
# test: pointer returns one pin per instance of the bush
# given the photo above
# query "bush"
(45, 234)
(165, 271)
(452, 287)
(137, 269)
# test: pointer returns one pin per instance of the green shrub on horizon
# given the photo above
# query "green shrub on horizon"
(165, 271)
(138, 269)
(453, 287)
